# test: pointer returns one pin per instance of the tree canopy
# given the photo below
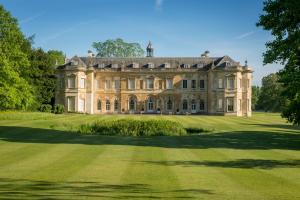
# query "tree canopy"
(282, 18)
(118, 48)
(15, 92)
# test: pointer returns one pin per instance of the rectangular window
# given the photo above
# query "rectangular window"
(107, 84)
(117, 84)
(193, 84)
(220, 83)
(82, 83)
(230, 104)
(71, 104)
(160, 84)
(202, 84)
(150, 83)
(131, 84)
(71, 82)
(220, 104)
(169, 83)
(141, 84)
(230, 83)
(61, 83)
(184, 83)
(81, 106)
(201, 107)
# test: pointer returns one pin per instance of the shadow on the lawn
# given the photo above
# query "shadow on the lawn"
(240, 163)
(233, 140)
(35, 189)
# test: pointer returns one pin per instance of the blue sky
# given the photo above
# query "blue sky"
(175, 27)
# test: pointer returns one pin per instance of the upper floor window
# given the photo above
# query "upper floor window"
(186, 66)
(220, 83)
(202, 84)
(141, 84)
(61, 83)
(99, 104)
(98, 84)
(150, 83)
(107, 84)
(117, 84)
(240, 83)
(184, 83)
(82, 83)
(169, 83)
(230, 83)
(160, 84)
(131, 84)
(71, 82)
(193, 84)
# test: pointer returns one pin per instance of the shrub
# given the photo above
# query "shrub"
(195, 130)
(132, 127)
(58, 109)
(45, 108)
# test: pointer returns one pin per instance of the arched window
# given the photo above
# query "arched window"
(193, 104)
(131, 104)
(116, 105)
(107, 105)
(169, 104)
(150, 104)
(184, 105)
(99, 104)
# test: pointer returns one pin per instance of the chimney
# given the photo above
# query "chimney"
(205, 54)
(90, 54)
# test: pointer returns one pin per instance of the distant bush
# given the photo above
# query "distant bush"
(132, 127)
(195, 130)
(58, 109)
(46, 108)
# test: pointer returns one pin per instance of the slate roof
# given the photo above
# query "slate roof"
(155, 62)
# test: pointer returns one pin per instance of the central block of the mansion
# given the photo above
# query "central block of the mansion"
(167, 85)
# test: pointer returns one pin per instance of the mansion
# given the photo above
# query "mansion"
(164, 85)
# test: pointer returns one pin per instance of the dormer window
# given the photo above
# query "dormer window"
(227, 64)
(200, 65)
(186, 66)
(115, 66)
(150, 65)
(74, 62)
(101, 65)
(167, 65)
(135, 65)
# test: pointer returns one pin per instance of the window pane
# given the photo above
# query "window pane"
(184, 83)
(169, 83)
(193, 83)
(202, 84)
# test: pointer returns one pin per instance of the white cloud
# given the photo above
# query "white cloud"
(158, 4)
(244, 35)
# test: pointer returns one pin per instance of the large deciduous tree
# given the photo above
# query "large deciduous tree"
(282, 18)
(270, 98)
(118, 48)
(15, 92)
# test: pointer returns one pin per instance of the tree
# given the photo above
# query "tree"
(270, 98)
(15, 92)
(255, 95)
(282, 18)
(118, 48)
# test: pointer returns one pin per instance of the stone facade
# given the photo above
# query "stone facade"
(183, 85)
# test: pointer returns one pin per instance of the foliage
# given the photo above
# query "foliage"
(118, 48)
(132, 127)
(255, 95)
(15, 92)
(58, 109)
(270, 98)
(46, 108)
(282, 18)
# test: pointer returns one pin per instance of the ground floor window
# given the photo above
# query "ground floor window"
(71, 104)
(184, 105)
(193, 105)
(169, 104)
(201, 107)
(230, 103)
(131, 104)
(150, 104)
(107, 105)
(81, 106)
(99, 104)
(116, 105)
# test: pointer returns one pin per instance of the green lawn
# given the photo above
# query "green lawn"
(243, 158)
